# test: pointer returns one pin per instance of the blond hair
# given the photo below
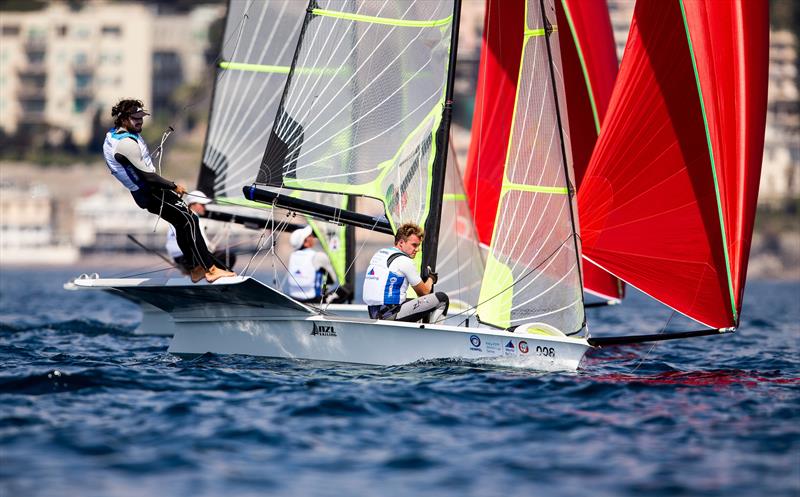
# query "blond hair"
(406, 230)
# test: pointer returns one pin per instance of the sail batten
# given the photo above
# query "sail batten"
(533, 267)
(366, 126)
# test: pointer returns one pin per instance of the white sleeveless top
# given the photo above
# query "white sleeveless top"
(305, 279)
(387, 284)
(127, 177)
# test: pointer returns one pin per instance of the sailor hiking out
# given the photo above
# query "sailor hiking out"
(310, 272)
(128, 159)
(389, 274)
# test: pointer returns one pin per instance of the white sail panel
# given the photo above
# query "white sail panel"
(257, 50)
(363, 103)
(459, 263)
(533, 271)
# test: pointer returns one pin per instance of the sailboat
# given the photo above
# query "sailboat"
(530, 310)
(256, 54)
(589, 63)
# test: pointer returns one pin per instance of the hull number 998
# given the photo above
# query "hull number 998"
(545, 351)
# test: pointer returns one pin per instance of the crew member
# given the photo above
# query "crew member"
(197, 200)
(389, 274)
(310, 272)
(128, 158)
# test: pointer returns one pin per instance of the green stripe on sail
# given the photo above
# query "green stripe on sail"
(496, 295)
(241, 66)
(454, 197)
(560, 190)
(535, 32)
(267, 69)
(713, 163)
(584, 69)
(407, 23)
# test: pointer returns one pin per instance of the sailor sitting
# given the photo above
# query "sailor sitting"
(310, 272)
(391, 271)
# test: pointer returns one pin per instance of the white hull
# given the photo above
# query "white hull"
(329, 338)
(242, 316)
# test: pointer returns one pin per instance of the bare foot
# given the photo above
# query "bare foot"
(216, 273)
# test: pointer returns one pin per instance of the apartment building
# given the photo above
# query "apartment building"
(61, 64)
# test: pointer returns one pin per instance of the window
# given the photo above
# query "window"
(10, 30)
(111, 31)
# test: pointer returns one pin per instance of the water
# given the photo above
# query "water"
(88, 409)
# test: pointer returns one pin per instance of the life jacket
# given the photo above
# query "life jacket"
(128, 175)
(304, 281)
(382, 286)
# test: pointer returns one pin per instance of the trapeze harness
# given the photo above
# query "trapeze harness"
(392, 287)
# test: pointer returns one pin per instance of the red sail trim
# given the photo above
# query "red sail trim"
(501, 52)
(731, 44)
(649, 187)
(589, 61)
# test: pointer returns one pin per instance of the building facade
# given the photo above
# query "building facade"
(61, 65)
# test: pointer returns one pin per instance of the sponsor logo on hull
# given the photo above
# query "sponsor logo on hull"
(323, 330)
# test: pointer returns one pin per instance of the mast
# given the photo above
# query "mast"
(570, 186)
(433, 221)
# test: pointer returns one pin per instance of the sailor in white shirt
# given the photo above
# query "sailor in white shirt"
(129, 161)
(389, 274)
(310, 272)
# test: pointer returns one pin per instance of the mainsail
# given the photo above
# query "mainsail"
(589, 67)
(363, 103)
(257, 49)
(673, 180)
(501, 49)
(533, 272)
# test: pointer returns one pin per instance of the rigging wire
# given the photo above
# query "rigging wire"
(653, 345)
(475, 307)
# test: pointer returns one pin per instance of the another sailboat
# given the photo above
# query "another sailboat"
(589, 64)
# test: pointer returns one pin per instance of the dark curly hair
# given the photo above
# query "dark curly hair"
(124, 109)
(406, 230)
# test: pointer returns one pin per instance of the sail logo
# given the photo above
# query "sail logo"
(397, 197)
(510, 349)
(475, 341)
(371, 272)
(322, 330)
(523, 346)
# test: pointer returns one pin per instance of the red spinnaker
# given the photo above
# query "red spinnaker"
(589, 60)
(501, 51)
(673, 180)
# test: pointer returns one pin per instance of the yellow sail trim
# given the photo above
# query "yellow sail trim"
(241, 66)
(407, 23)
(507, 186)
(496, 295)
